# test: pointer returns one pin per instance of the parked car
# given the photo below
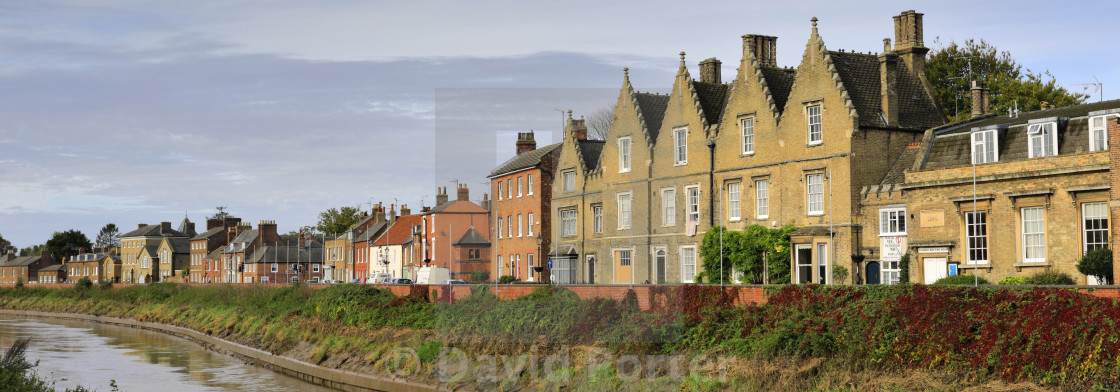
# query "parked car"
(333, 281)
(454, 281)
(401, 281)
(358, 280)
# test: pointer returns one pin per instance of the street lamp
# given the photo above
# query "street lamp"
(857, 257)
(537, 259)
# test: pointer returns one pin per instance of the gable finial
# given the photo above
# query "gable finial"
(569, 114)
(814, 20)
(682, 57)
(886, 45)
(626, 71)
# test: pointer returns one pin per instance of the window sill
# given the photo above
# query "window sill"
(623, 171)
(734, 219)
(902, 234)
(986, 266)
(815, 214)
(762, 217)
(675, 164)
(747, 154)
(814, 144)
(1032, 264)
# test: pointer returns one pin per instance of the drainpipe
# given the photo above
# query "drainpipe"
(711, 182)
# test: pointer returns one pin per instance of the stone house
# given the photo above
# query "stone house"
(522, 189)
(144, 241)
(97, 267)
(773, 147)
(1005, 195)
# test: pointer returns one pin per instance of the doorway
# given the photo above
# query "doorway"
(590, 269)
(934, 268)
(871, 273)
(659, 257)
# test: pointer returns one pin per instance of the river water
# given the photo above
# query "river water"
(89, 354)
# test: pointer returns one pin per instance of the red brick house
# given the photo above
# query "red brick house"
(522, 188)
(23, 268)
(217, 235)
(448, 222)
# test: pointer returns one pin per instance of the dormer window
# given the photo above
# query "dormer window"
(1042, 139)
(1098, 133)
(984, 147)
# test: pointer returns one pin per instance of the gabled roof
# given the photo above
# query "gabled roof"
(780, 82)
(285, 254)
(860, 74)
(51, 268)
(209, 233)
(897, 172)
(399, 232)
(712, 98)
(22, 261)
(591, 151)
(245, 236)
(180, 245)
(371, 232)
(153, 231)
(215, 254)
(472, 238)
(523, 160)
(652, 108)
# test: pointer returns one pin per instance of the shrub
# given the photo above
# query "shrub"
(904, 266)
(83, 284)
(480, 276)
(1015, 280)
(839, 274)
(960, 280)
(105, 284)
(1097, 263)
(507, 279)
(19, 283)
(1051, 278)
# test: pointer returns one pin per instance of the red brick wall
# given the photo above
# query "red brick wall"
(1114, 191)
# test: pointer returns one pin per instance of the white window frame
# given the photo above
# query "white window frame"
(529, 223)
(746, 128)
(815, 128)
(624, 153)
(1100, 144)
(823, 264)
(500, 227)
(625, 209)
(680, 146)
(762, 198)
(1040, 234)
(625, 257)
(520, 225)
(1045, 134)
(569, 180)
(597, 218)
(976, 231)
(668, 207)
(890, 272)
(733, 205)
(688, 270)
(692, 203)
(315, 267)
(568, 221)
(509, 226)
(529, 185)
(984, 146)
(500, 188)
(814, 198)
(1086, 230)
(892, 221)
(519, 187)
(509, 188)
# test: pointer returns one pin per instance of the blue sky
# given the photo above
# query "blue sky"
(133, 112)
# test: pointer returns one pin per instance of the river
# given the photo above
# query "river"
(90, 354)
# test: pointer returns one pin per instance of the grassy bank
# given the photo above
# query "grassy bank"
(805, 338)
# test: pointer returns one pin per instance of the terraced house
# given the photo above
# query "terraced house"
(773, 147)
(522, 188)
(139, 249)
(97, 267)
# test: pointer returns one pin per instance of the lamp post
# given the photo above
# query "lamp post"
(857, 256)
(537, 258)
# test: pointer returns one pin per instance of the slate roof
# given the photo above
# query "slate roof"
(713, 97)
(371, 232)
(286, 254)
(245, 236)
(472, 238)
(523, 160)
(209, 233)
(860, 74)
(180, 245)
(399, 232)
(780, 82)
(653, 111)
(951, 145)
(215, 254)
(592, 150)
(52, 267)
(153, 231)
(187, 227)
(897, 172)
(22, 261)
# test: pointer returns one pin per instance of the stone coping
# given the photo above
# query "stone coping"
(333, 378)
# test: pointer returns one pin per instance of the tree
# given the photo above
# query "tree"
(335, 221)
(64, 244)
(952, 68)
(221, 214)
(1097, 263)
(5, 245)
(33, 250)
(109, 237)
(755, 255)
(599, 122)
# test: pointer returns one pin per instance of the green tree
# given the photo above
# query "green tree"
(220, 214)
(108, 237)
(33, 250)
(718, 269)
(1098, 263)
(952, 67)
(5, 245)
(751, 255)
(335, 221)
(64, 244)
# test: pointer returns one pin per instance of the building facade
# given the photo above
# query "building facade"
(519, 212)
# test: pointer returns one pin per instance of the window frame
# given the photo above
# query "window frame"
(628, 210)
(529, 223)
(1025, 248)
(1045, 133)
(500, 227)
(519, 187)
(689, 205)
(980, 234)
(989, 141)
(762, 198)
(624, 154)
(520, 225)
(569, 178)
(747, 135)
(597, 218)
(500, 189)
(680, 146)
(734, 194)
(686, 250)
(568, 216)
(1085, 230)
(893, 217)
(668, 207)
(529, 185)
(1103, 129)
(809, 177)
(810, 116)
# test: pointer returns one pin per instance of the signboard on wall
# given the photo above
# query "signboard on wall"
(893, 247)
(932, 218)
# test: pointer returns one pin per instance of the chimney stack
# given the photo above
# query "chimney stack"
(979, 99)
(267, 233)
(140, 225)
(710, 71)
(463, 193)
(908, 42)
(441, 195)
(404, 210)
(577, 127)
(164, 227)
(525, 142)
(486, 202)
(762, 47)
(888, 83)
(392, 216)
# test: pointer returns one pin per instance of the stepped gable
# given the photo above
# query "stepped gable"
(859, 72)
(590, 152)
(651, 109)
(779, 81)
(712, 98)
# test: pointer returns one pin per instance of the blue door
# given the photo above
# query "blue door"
(872, 273)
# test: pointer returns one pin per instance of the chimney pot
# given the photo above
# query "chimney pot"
(525, 142)
(463, 193)
(979, 99)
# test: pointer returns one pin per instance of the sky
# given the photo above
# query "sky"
(130, 112)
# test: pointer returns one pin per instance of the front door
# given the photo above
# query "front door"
(623, 266)
(872, 273)
(934, 268)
